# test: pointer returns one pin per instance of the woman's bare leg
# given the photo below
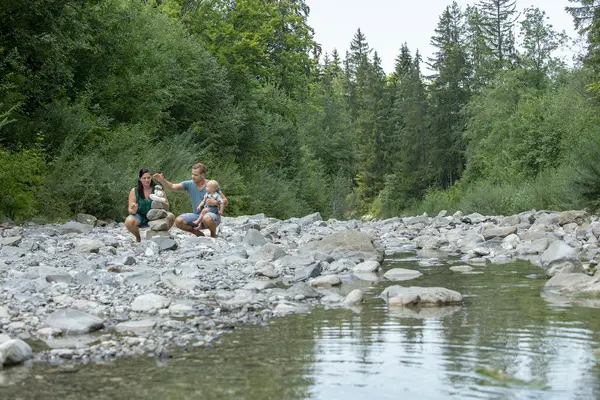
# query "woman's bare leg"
(133, 225)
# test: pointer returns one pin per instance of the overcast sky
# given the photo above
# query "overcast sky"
(389, 23)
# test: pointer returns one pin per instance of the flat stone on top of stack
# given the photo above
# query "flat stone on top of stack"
(157, 216)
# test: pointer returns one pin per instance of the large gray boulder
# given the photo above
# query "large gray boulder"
(429, 242)
(501, 232)
(536, 246)
(354, 297)
(14, 351)
(559, 257)
(415, 295)
(73, 322)
(311, 271)
(10, 241)
(268, 252)
(73, 227)
(572, 216)
(547, 219)
(165, 243)
(347, 240)
(367, 266)
(574, 283)
(254, 238)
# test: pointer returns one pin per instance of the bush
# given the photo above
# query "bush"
(341, 191)
(22, 177)
(273, 195)
(436, 200)
(313, 185)
(550, 190)
(489, 199)
(98, 180)
(584, 170)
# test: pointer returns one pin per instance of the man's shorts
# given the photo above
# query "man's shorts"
(141, 219)
(189, 218)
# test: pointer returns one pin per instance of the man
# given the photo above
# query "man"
(196, 187)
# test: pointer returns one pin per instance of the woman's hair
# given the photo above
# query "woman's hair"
(140, 187)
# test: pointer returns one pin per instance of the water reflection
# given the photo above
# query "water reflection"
(504, 342)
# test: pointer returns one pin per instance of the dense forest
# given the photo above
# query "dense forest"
(93, 90)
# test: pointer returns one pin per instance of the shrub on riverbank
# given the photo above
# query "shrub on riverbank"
(21, 174)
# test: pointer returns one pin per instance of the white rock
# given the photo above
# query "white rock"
(74, 322)
(14, 351)
(367, 266)
(136, 326)
(326, 281)
(401, 274)
(150, 301)
(461, 268)
(354, 297)
(402, 296)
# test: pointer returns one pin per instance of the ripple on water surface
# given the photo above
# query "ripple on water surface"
(504, 342)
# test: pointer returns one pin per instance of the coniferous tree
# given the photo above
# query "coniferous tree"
(587, 19)
(357, 66)
(369, 122)
(480, 55)
(449, 93)
(498, 17)
(410, 175)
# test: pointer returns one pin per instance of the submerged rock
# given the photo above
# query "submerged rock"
(415, 295)
(401, 274)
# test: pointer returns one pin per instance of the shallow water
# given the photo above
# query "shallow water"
(504, 342)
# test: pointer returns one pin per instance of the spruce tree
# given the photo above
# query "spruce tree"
(498, 21)
(449, 93)
(479, 55)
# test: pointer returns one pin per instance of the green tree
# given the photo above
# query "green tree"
(498, 17)
(480, 55)
(264, 41)
(587, 20)
(410, 174)
(449, 93)
(366, 85)
(539, 41)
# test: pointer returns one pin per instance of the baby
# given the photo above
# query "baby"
(212, 188)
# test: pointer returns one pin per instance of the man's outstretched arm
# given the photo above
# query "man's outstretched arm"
(171, 186)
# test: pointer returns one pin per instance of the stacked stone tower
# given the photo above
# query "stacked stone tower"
(159, 215)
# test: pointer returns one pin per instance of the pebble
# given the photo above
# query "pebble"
(215, 301)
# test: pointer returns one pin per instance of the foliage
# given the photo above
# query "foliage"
(91, 91)
(21, 176)
(98, 181)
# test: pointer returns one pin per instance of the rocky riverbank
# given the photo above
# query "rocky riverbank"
(91, 294)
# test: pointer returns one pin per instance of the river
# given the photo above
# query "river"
(505, 341)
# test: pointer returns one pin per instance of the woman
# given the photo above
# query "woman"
(140, 203)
